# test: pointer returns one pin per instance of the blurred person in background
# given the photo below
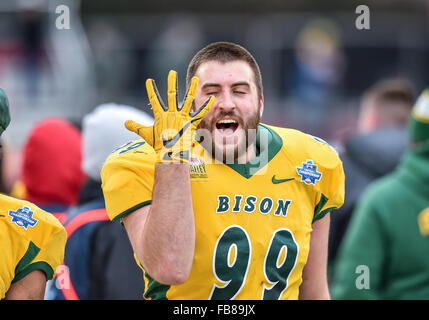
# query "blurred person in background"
(99, 257)
(315, 81)
(109, 44)
(10, 168)
(9, 171)
(31, 24)
(3, 184)
(385, 251)
(32, 241)
(374, 149)
(51, 166)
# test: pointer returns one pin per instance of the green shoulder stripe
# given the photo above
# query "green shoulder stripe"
(318, 213)
(24, 266)
(128, 211)
(29, 256)
(155, 290)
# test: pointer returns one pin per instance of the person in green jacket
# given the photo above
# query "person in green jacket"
(385, 253)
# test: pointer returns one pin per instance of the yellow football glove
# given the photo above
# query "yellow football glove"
(173, 131)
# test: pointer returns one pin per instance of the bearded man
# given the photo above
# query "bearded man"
(217, 205)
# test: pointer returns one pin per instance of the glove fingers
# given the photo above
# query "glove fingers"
(154, 97)
(145, 132)
(205, 108)
(172, 90)
(190, 95)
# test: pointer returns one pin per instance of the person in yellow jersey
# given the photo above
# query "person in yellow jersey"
(216, 204)
(32, 241)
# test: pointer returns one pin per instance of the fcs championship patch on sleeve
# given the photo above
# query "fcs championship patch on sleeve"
(23, 217)
(309, 173)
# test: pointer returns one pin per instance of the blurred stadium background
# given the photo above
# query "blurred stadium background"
(315, 62)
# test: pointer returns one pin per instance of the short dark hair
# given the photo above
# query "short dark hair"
(224, 52)
(392, 90)
(393, 98)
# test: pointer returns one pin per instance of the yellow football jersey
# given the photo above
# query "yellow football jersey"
(30, 239)
(253, 221)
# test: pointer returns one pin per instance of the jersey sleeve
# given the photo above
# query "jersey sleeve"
(127, 179)
(46, 243)
(331, 187)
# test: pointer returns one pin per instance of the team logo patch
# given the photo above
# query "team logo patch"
(23, 217)
(309, 173)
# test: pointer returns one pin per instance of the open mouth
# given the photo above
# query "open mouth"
(227, 126)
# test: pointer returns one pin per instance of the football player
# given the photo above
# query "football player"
(216, 204)
(32, 241)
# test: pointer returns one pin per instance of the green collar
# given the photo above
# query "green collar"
(263, 155)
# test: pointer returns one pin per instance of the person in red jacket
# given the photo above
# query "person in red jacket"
(52, 154)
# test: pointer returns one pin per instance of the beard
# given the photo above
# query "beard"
(229, 149)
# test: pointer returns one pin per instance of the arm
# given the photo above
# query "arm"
(31, 287)
(163, 234)
(314, 277)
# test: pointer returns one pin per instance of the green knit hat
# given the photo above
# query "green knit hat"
(4, 111)
(419, 120)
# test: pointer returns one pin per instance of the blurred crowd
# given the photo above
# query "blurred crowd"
(67, 110)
